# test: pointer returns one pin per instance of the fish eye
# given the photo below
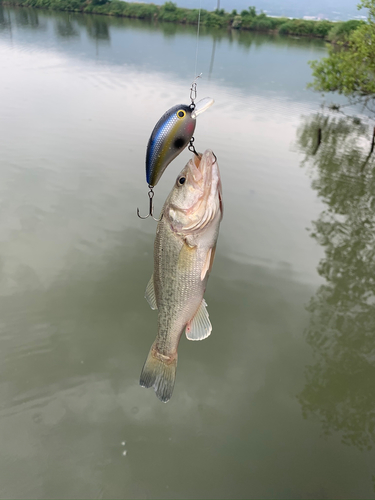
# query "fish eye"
(181, 180)
(181, 113)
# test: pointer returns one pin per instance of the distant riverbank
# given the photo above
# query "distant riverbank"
(169, 12)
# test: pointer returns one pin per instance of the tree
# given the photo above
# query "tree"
(340, 387)
(350, 67)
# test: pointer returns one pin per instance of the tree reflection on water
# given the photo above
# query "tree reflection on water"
(340, 385)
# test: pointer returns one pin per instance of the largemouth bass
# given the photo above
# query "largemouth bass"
(183, 256)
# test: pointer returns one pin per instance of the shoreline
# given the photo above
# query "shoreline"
(246, 20)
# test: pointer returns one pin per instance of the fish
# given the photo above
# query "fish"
(184, 251)
(170, 136)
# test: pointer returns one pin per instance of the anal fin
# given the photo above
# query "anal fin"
(199, 327)
(150, 294)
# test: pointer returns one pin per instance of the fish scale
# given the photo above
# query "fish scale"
(170, 282)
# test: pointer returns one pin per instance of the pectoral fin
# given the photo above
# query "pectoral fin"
(206, 266)
(199, 327)
(209, 262)
(150, 294)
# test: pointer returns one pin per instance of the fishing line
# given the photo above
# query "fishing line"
(172, 133)
(196, 52)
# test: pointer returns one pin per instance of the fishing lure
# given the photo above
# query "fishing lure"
(172, 133)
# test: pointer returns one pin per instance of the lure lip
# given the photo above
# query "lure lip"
(201, 106)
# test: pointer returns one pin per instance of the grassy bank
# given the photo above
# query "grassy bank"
(169, 12)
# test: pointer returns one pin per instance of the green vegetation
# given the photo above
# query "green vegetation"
(306, 28)
(350, 67)
(341, 31)
(169, 12)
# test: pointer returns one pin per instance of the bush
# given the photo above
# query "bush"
(169, 12)
(215, 21)
(236, 23)
(251, 12)
(322, 28)
(285, 28)
(341, 31)
(192, 16)
(305, 28)
(220, 12)
(263, 25)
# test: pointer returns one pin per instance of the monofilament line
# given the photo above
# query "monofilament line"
(196, 52)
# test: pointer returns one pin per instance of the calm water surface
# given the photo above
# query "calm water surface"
(279, 402)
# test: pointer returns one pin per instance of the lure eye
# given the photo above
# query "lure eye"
(181, 180)
(181, 113)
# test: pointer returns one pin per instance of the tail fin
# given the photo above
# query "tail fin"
(159, 372)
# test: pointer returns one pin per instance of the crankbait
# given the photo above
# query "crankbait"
(172, 133)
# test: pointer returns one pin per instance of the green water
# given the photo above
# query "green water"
(279, 402)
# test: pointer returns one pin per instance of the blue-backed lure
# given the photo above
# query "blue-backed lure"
(172, 133)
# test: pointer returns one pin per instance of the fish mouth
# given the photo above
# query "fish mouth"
(209, 169)
(200, 201)
(216, 188)
(204, 164)
(207, 181)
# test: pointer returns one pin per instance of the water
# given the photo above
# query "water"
(279, 401)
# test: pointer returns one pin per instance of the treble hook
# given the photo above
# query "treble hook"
(151, 207)
(193, 90)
